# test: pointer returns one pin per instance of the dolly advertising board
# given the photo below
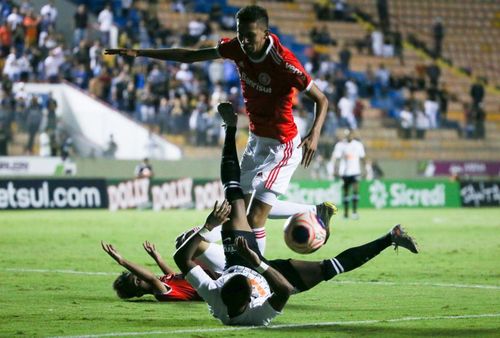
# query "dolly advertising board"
(164, 194)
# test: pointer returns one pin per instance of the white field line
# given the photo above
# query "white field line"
(443, 285)
(285, 326)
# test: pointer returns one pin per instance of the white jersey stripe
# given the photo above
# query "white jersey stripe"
(334, 266)
(274, 173)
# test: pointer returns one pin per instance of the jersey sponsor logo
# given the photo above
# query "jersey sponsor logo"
(255, 85)
(260, 290)
(294, 70)
(264, 79)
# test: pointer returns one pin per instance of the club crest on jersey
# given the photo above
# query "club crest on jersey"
(264, 79)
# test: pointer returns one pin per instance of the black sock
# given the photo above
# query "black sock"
(355, 199)
(230, 168)
(346, 206)
(353, 258)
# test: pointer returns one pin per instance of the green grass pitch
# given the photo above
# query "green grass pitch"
(451, 289)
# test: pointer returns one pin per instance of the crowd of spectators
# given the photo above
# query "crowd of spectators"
(180, 99)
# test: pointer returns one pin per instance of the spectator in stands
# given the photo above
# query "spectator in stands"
(130, 98)
(359, 108)
(377, 42)
(351, 89)
(421, 122)
(397, 42)
(434, 73)
(443, 97)
(5, 38)
(14, 19)
(25, 7)
(477, 92)
(125, 8)
(44, 143)
(339, 81)
(431, 109)
(346, 108)
(51, 105)
(469, 119)
(49, 11)
(80, 22)
(30, 25)
(383, 15)
(147, 107)
(33, 121)
(340, 10)
(479, 118)
(4, 132)
(345, 58)
(111, 148)
(406, 121)
(382, 76)
(164, 112)
(438, 33)
(105, 22)
(368, 85)
(11, 67)
(52, 65)
(323, 9)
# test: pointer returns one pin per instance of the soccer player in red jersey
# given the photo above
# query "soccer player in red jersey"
(269, 74)
(138, 281)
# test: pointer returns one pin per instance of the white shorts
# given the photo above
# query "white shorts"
(268, 164)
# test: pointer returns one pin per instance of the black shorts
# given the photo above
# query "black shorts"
(288, 271)
(232, 256)
(349, 180)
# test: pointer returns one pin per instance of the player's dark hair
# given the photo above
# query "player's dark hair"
(125, 287)
(253, 13)
(236, 291)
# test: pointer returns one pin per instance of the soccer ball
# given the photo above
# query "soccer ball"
(305, 232)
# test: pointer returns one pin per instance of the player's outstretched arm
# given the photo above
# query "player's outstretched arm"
(169, 54)
(151, 250)
(184, 255)
(309, 143)
(141, 272)
(280, 286)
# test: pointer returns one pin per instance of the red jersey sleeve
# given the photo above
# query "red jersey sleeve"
(229, 48)
(296, 74)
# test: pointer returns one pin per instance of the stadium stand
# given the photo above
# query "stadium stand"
(294, 21)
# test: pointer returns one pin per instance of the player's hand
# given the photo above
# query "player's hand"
(219, 215)
(110, 250)
(184, 236)
(309, 146)
(245, 251)
(121, 51)
(151, 249)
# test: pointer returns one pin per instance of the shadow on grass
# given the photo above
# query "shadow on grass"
(383, 331)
